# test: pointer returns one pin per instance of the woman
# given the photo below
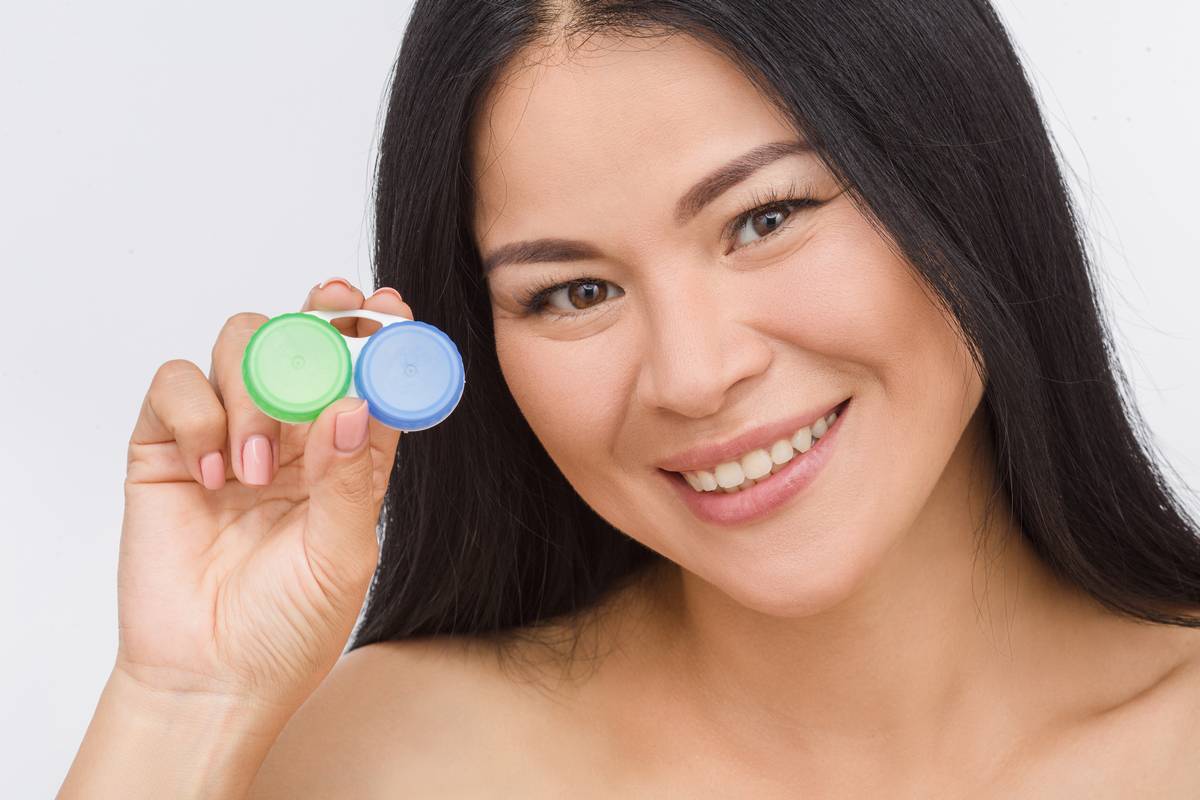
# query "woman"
(793, 459)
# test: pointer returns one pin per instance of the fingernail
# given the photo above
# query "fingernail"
(256, 460)
(388, 290)
(328, 281)
(350, 428)
(212, 470)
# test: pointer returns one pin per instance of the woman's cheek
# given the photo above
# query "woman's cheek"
(853, 299)
(565, 391)
(829, 299)
(529, 371)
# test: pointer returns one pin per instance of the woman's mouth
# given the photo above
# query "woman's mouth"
(757, 465)
(760, 480)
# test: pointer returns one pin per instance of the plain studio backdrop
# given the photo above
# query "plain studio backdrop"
(163, 166)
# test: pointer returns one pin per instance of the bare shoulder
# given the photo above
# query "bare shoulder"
(1147, 745)
(1154, 738)
(1166, 720)
(525, 715)
(388, 717)
(432, 717)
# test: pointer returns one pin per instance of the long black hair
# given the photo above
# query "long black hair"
(924, 112)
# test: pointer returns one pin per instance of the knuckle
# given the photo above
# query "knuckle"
(175, 370)
(182, 399)
(228, 348)
(242, 410)
(244, 321)
(201, 421)
(237, 399)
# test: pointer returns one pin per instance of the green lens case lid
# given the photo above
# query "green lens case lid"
(295, 365)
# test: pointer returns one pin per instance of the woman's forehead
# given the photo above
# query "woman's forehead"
(623, 118)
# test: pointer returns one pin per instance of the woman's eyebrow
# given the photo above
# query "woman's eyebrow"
(689, 205)
(712, 185)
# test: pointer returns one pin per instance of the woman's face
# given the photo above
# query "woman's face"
(699, 325)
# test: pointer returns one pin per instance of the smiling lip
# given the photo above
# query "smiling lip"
(747, 505)
(708, 456)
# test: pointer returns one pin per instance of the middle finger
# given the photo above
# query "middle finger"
(253, 436)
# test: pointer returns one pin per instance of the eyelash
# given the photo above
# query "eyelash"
(534, 300)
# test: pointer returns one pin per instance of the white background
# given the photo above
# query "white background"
(165, 165)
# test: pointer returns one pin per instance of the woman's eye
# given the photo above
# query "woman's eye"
(764, 221)
(572, 297)
(581, 295)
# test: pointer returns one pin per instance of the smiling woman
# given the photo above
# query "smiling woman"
(777, 318)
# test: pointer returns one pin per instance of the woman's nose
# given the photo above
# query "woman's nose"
(694, 354)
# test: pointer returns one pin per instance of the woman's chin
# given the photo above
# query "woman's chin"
(786, 591)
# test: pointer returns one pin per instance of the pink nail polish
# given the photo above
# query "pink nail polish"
(212, 470)
(350, 429)
(388, 290)
(328, 281)
(256, 460)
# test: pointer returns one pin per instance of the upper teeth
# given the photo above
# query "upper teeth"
(744, 472)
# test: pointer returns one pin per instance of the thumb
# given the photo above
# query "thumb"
(343, 501)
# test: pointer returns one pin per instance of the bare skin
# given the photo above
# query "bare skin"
(877, 635)
(855, 643)
(1063, 700)
(246, 550)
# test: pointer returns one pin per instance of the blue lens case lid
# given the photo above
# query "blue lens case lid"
(411, 375)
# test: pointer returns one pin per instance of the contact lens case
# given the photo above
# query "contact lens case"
(409, 372)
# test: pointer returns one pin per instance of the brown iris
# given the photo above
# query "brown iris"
(777, 217)
(584, 294)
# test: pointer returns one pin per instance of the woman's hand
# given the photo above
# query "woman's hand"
(248, 545)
